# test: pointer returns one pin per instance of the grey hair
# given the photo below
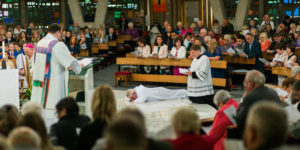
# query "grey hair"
(295, 70)
(227, 36)
(203, 29)
(31, 106)
(222, 96)
(270, 122)
(130, 24)
(256, 77)
(129, 93)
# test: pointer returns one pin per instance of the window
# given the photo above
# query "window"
(44, 12)
(9, 11)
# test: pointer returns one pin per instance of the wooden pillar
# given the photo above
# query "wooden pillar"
(23, 12)
(63, 12)
(261, 9)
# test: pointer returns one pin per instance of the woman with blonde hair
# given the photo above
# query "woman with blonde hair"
(101, 38)
(103, 110)
(214, 53)
(265, 43)
(179, 27)
(254, 32)
(35, 36)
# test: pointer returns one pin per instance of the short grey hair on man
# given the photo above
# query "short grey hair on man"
(31, 106)
(24, 136)
(221, 96)
(203, 30)
(129, 93)
(256, 77)
(295, 70)
(270, 122)
(227, 36)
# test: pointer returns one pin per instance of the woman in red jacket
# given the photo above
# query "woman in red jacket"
(225, 103)
(186, 125)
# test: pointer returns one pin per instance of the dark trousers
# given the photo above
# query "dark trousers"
(208, 99)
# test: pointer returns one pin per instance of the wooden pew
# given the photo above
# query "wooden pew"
(239, 60)
(268, 56)
(97, 47)
(281, 71)
(122, 38)
(297, 51)
(112, 43)
(220, 64)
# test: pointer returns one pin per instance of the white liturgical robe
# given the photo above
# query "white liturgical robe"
(145, 94)
(200, 83)
(50, 71)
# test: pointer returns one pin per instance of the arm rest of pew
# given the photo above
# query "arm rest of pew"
(281, 71)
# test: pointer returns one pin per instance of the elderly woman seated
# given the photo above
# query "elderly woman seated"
(225, 102)
(186, 125)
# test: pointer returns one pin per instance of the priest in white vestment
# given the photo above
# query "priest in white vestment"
(50, 70)
(141, 94)
(200, 86)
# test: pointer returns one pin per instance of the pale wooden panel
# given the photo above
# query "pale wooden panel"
(221, 82)
(281, 71)
(220, 64)
(112, 43)
(103, 46)
(120, 41)
(124, 37)
(95, 48)
(239, 60)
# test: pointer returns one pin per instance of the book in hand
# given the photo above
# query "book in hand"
(230, 50)
(278, 60)
(240, 52)
(289, 64)
(263, 60)
(281, 92)
(170, 56)
(153, 55)
(230, 112)
(183, 71)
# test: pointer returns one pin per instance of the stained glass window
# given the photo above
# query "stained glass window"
(44, 12)
(9, 11)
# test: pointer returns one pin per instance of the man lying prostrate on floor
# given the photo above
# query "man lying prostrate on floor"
(141, 94)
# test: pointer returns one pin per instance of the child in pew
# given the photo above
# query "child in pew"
(12, 52)
(279, 59)
(18, 48)
(9, 63)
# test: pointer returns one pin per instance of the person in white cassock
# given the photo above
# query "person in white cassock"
(141, 94)
(200, 86)
(50, 70)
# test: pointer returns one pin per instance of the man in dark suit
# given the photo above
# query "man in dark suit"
(9, 39)
(253, 50)
(255, 92)
(111, 34)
